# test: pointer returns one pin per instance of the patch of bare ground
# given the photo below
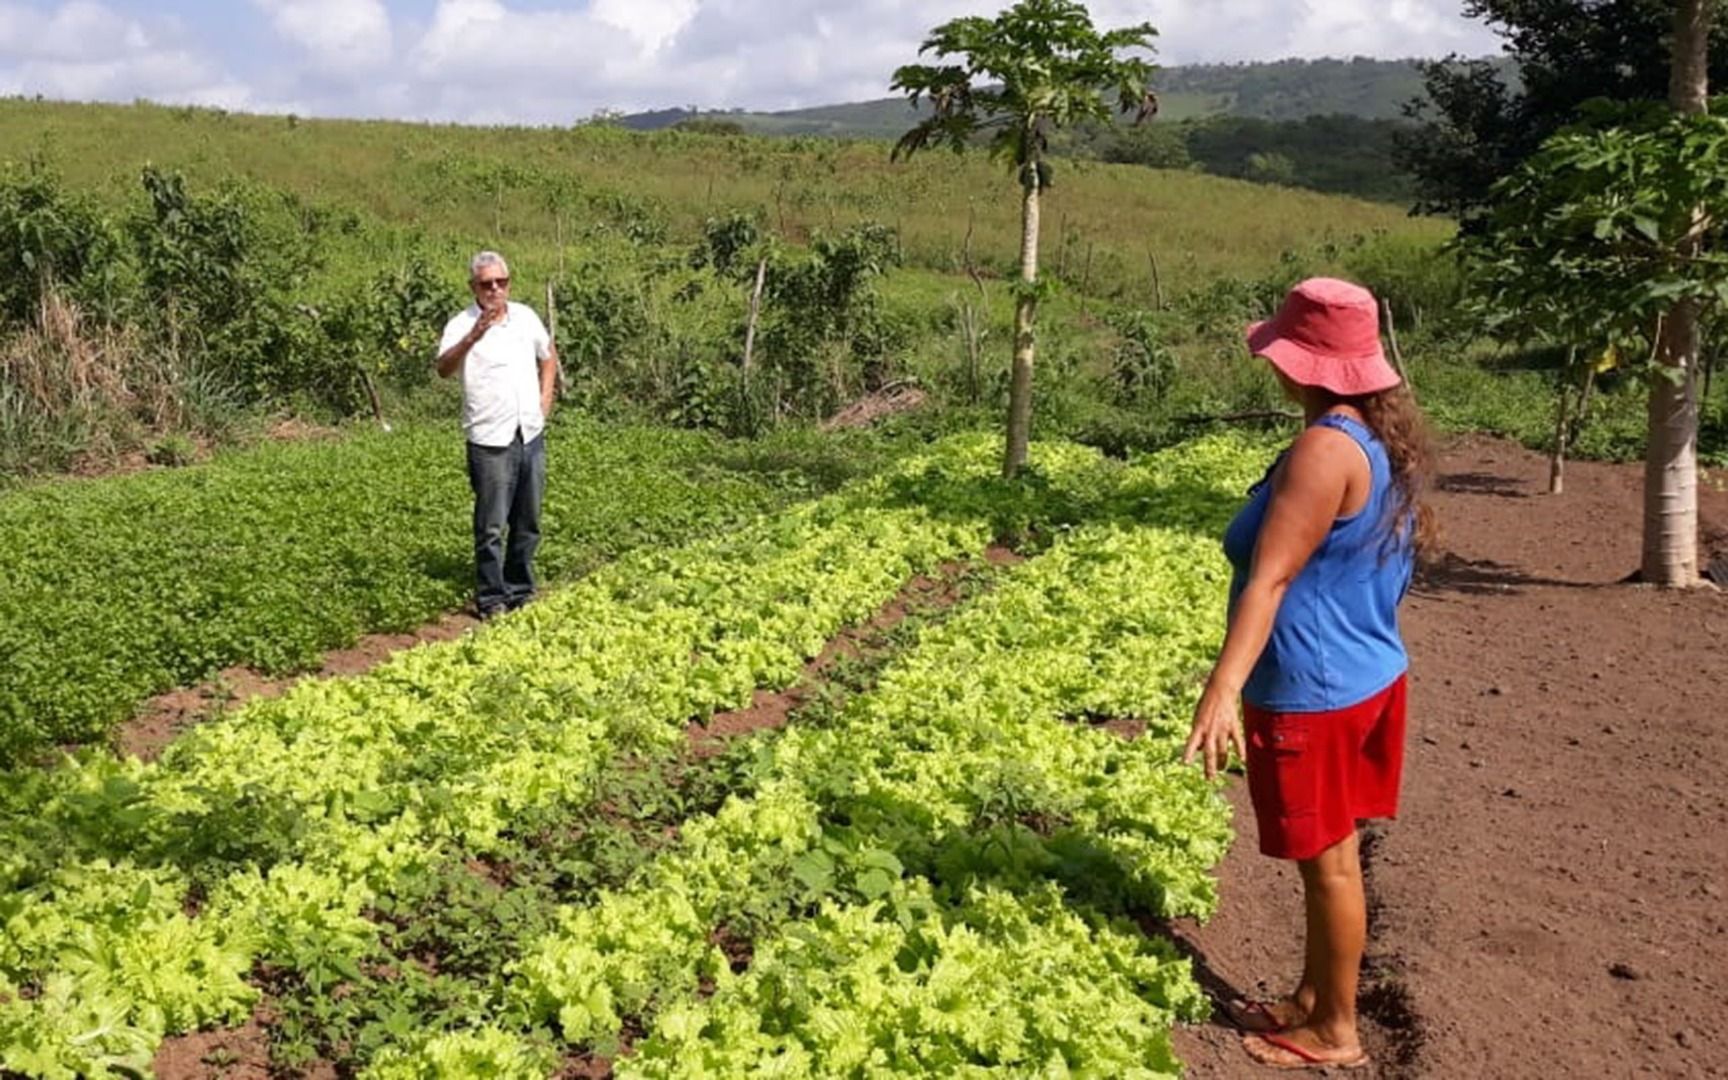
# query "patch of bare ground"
(1550, 902)
(241, 1053)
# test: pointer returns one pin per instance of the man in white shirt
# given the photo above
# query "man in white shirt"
(509, 369)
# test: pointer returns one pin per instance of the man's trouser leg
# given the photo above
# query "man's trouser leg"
(492, 474)
(524, 535)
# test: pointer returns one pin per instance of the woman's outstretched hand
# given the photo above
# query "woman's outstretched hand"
(1217, 728)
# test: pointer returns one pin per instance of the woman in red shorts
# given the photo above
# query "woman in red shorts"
(1322, 554)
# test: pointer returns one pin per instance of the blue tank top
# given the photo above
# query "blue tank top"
(1335, 640)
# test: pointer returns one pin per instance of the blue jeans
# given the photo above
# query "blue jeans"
(508, 482)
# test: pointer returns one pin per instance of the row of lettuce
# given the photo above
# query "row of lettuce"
(941, 879)
(113, 591)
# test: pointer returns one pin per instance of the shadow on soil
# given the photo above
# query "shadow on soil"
(1480, 483)
(1384, 997)
(1481, 577)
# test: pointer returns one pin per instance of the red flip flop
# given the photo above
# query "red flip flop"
(1252, 1016)
(1305, 1058)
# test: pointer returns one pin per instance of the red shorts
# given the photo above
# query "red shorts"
(1312, 776)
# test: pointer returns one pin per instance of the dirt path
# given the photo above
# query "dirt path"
(1551, 901)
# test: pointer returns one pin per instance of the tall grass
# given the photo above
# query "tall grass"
(75, 392)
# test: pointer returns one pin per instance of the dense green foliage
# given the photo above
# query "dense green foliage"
(1592, 240)
(1480, 119)
(111, 592)
(963, 801)
(1341, 154)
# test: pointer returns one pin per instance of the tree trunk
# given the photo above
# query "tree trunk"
(1670, 556)
(750, 344)
(1025, 314)
(1562, 418)
(1671, 462)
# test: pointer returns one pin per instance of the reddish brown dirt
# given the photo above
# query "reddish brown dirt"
(1550, 902)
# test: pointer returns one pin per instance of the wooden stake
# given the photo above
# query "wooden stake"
(750, 327)
(1397, 356)
(561, 386)
(1157, 281)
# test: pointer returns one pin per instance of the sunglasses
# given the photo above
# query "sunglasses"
(492, 283)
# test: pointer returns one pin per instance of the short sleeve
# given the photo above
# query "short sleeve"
(454, 330)
(542, 339)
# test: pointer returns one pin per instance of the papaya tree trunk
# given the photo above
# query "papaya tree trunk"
(1670, 556)
(1025, 316)
(1562, 425)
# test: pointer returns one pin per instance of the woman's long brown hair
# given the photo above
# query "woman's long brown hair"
(1399, 425)
(1395, 420)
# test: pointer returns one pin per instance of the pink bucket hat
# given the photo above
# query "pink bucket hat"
(1327, 334)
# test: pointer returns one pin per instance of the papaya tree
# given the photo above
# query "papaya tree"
(1038, 66)
(1612, 233)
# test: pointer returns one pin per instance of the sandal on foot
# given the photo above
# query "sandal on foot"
(1252, 1016)
(1273, 1050)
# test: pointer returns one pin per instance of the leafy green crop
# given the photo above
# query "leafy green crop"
(967, 781)
(959, 823)
(111, 591)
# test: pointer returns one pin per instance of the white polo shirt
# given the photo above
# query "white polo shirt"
(501, 375)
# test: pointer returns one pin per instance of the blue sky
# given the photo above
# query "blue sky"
(553, 62)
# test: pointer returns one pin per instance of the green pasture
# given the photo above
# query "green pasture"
(520, 188)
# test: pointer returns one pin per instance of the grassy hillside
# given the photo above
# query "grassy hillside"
(520, 188)
(313, 262)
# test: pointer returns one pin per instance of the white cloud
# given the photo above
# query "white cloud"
(83, 50)
(350, 36)
(76, 30)
(483, 61)
(556, 61)
(1216, 31)
(652, 23)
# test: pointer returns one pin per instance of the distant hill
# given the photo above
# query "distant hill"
(1327, 125)
(1280, 90)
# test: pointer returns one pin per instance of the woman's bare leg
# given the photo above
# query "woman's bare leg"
(1337, 917)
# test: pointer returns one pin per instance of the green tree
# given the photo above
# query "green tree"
(1481, 118)
(1614, 235)
(1038, 66)
(50, 237)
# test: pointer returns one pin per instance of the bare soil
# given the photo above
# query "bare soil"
(1550, 901)
(163, 717)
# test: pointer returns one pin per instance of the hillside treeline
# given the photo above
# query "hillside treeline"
(1340, 154)
(1335, 153)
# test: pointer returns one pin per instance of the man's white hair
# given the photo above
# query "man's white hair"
(485, 259)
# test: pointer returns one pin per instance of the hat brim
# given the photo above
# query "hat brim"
(1348, 376)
